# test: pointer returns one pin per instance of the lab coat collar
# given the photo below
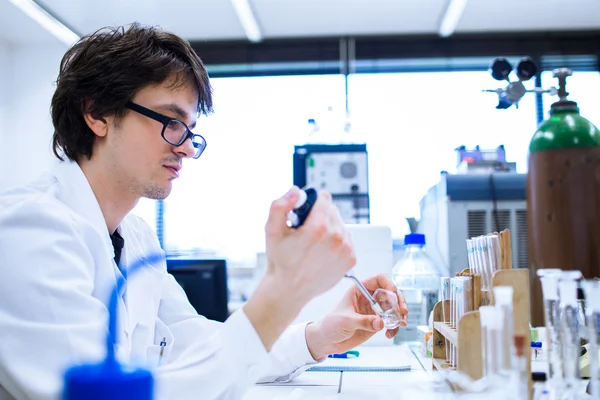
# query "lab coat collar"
(80, 197)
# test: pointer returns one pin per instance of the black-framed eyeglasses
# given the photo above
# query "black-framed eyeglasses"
(175, 132)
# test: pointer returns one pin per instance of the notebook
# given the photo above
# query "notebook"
(371, 359)
(357, 368)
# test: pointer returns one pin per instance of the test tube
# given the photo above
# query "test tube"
(491, 343)
(591, 289)
(445, 295)
(483, 319)
(485, 259)
(483, 270)
(466, 293)
(458, 293)
(567, 288)
(549, 279)
(519, 372)
(503, 296)
(493, 243)
(452, 315)
(470, 256)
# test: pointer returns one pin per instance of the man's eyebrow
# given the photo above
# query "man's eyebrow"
(174, 108)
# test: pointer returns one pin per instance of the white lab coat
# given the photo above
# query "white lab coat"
(56, 270)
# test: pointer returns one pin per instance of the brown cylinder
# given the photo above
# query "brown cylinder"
(563, 215)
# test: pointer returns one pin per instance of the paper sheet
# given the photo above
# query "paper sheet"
(393, 356)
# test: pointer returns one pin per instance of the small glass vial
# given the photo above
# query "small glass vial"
(537, 353)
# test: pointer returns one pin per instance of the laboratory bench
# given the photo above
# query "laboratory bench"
(420, 382)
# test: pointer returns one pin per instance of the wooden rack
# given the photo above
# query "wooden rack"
(467, 337)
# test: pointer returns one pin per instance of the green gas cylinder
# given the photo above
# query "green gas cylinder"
(563, 195)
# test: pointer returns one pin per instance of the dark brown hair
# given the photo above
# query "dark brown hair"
(105, 69)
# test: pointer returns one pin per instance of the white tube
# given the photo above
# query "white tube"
(491, 331)
(445, 295)
(485, 260)
(467, 295)
(452, 315)
(470, 257)
(592, 300)
(503, 296)
(567, 288)
(549, 280)
(483, 319)
(493, 243)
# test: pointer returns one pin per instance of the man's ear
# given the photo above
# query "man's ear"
(96, 123)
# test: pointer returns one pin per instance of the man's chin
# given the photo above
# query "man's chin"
(158, 193)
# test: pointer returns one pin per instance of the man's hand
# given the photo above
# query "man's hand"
(302, 263)
(352, 322)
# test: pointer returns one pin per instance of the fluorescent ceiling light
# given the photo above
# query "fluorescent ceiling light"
(247, 19)
(47, 21)
(453, 13)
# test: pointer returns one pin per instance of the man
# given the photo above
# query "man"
(125, 103)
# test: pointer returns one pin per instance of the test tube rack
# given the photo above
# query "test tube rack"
(466, 337)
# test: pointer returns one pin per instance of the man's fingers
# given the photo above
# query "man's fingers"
(319, 214)
(277, 222)
(390, 333)
(370, 323)
(384, 282)
(381, 281)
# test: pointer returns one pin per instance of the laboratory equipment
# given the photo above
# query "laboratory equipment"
(571, 347)
(563, 193)
(110, 379)
(500, 70)
(387, 305)
(519, 370)
(374, 303)
(342, 170)
(486, 360)
(419, 280)
(479, 161)
(549, 280)
(592, 295)
(537, 353)
(491, 336)
(463, 302)
(461, 207)
(306, 199)
(583, 333)
(373, 250)
(295, 219)
(453, 319)
(445, 295)
(204, 282)
(503, 296)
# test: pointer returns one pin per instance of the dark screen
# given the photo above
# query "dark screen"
(205, 284)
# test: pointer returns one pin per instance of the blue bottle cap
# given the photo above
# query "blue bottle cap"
(107, 380)
(414, 238)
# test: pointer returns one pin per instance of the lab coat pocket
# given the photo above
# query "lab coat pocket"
(160, 351)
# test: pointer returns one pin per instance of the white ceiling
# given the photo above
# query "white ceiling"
(216, 19)
(18, 28)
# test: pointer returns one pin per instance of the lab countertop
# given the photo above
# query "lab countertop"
(417, 383)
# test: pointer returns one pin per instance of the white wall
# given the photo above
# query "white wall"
(29, 73)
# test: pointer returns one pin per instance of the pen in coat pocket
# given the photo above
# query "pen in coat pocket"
(163, 344)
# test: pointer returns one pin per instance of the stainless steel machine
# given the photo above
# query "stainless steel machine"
(463, 206)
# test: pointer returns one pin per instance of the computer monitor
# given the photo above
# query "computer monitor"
(205, 284)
